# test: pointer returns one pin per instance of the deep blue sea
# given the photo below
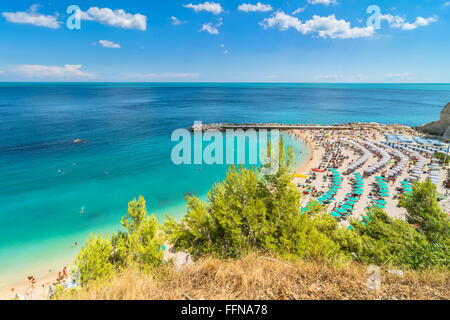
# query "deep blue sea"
(46, 181)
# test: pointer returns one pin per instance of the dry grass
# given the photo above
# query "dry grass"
(259, 278)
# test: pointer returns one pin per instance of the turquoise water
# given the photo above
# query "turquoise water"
(46, 180)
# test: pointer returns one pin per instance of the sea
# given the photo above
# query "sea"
(55, 193)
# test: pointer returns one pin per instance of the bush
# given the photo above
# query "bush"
(138, 246)
(250, 211)
(443, 157)
(423, 210)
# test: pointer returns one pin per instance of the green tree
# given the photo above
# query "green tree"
(94, 259)
(138, 246)
(423, 210)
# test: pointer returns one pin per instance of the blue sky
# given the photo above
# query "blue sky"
(226, 41)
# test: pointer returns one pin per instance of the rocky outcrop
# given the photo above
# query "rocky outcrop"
(440, 127)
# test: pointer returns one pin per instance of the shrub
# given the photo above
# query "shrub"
(139, 245)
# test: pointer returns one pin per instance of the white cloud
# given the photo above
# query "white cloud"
(324, 2)
(331, 77)
(397, 75)
(446, 4)
(212, 7)
(406, 76)
(166, 76)
(32, 17)
(109, 44)
(176, 21)
(324, 27)
(299, 10)
(210, 28)
(117, 18)
(259, 7)
(399, 22)
(36, 70)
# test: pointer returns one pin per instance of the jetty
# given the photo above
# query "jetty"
(280, 126)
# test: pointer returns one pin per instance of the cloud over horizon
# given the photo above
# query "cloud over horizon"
(109, 44)
(32, 17)
(399, 22)
(324, 2)
(212, 7)
(324, 27)
(43, 71)
(259, 7)
(117, 18)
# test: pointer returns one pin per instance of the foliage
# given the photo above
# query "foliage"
(93, 260)
(423, 210)
(139, 245)
(442, 157)
(249, 210)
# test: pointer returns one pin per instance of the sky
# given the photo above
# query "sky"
(225, 41)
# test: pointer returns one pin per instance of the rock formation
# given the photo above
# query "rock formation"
(440, 127)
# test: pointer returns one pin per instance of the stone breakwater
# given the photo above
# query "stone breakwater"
(279, 126)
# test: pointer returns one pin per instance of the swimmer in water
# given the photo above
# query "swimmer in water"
(82, 210)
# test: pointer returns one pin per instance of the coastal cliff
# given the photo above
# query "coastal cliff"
(440, 127)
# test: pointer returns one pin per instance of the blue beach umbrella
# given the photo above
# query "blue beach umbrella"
(347, 207)
(382, 202)
(350, 203)
(358, 192)
(340, 210)
(335, 214)
(353, 199)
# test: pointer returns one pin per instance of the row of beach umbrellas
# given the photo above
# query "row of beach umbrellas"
(402, 161)
(363, 159)
(380, 164)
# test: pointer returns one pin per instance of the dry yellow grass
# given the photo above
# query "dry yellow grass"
(260, 278)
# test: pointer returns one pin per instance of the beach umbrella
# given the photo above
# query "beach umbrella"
(380, 206)
(353, 199)
(351, 203)
(358, 192)
(340, 210)
(347, 207)
(351, 228)
(326, 196)
(335, 214)
(367, 218)
(382, 202)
